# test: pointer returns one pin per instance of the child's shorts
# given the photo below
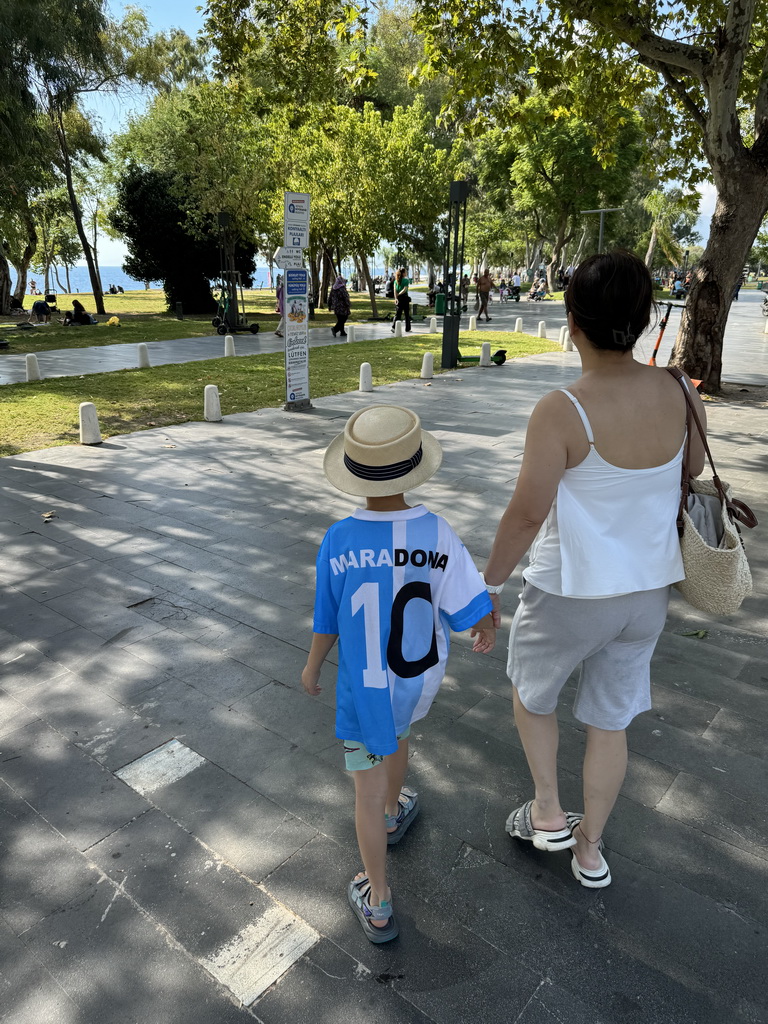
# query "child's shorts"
(612, 638)
(358, 757)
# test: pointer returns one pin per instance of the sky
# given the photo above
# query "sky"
(165, 14)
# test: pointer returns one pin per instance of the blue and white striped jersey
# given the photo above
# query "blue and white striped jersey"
(392, 585)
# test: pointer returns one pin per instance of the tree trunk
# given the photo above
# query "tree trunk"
(582, 241)
(59, 285)
(98, 295)
(561, 237)
(26, 256)
(369, 283)
(66, 272)
(742, 203)
(328, 273)
(5, 283)
(651, 247)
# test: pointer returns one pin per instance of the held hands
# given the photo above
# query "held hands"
(484, 633)
(309, 680)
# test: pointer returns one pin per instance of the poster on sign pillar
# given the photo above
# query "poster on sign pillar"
(296, 220)
(296, 298)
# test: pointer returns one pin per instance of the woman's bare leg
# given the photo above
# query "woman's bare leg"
(539, 735)
(605, 765)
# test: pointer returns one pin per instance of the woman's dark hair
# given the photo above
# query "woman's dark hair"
(611, 298)
(78, 306)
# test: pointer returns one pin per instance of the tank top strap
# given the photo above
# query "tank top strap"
(582, 414)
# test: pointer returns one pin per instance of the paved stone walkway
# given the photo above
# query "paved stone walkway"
(164, 612)
(745, 327)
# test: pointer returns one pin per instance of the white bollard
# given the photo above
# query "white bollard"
(350, 332)
(542, 328)
(433, 325)
(427, 366)
(212, 404)
(765, 329)
(399, 333)
(89, 424)
(473, 323)
(485, 354)
(519, 325)
(563, 336)
(33, 367)
(229, 346)
(144, 363)
(366, 377)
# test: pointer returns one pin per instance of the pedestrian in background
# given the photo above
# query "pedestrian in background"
(338, 303)
(403, 300)
(484, 285)
(280, 305)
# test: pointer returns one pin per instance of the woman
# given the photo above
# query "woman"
(403, 300)
(77, 315)
(339, 304)
(280, 305)
(598, 494)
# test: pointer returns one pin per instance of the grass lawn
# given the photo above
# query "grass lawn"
(143, 317)
(45, 413)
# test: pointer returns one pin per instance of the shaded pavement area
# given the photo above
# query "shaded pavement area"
(157, 601)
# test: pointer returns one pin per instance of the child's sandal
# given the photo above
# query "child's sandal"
(408, 811)
(359, 894)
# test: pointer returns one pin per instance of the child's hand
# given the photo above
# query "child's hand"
(309, 680)
(485, 639)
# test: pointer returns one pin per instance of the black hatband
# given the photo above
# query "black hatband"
(391, 472)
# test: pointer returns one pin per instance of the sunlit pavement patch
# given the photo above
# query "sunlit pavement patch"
(261, 953)
(160, 767)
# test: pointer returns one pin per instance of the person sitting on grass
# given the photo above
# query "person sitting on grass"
(77, 315)
(391, 580)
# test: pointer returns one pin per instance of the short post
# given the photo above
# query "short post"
(89, 424)
(563, 336)
(350, 332)
(433, 325)
(212, 404)
(765, 329)
(519, 325)
(229, 345)
(144, 363)
(542, 328)
(366, 377)
(427, 366)
(473, 323)
(485, 354)
(33, 367)
(399, 333)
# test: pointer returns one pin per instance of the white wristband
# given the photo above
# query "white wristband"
(490, 589)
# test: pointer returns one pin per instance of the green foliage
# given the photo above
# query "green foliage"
(162, 244)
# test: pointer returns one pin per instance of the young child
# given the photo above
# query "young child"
(392, 580)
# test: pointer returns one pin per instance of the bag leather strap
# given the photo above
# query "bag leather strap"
(738, 511)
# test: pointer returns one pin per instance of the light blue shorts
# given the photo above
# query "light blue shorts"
(358, 757)
(612, 638)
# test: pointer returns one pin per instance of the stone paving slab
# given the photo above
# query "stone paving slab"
(183, 612)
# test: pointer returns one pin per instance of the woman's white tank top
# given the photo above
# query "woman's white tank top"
(610, 530)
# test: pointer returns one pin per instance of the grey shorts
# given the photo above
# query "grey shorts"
(612, 638)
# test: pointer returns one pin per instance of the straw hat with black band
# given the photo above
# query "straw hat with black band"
(382, 451)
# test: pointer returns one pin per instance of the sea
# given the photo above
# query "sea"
(80, 282)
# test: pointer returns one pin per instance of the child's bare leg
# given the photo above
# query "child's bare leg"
(397, 767)
(370, 800)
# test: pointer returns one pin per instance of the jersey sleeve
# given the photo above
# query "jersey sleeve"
(326, 606)
(463, 597)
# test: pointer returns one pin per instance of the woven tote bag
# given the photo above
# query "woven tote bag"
(717, 576)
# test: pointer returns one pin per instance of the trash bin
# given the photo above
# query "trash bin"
(440, 304)
(759, 286)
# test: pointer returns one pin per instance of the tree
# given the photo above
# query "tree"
(707, 62)
(666, 209)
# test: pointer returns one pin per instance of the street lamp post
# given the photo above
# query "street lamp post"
(602, 212)
(454, 268)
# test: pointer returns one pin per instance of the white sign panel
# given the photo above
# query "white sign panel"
(296, 336)
(296, 220)
(286, 257)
